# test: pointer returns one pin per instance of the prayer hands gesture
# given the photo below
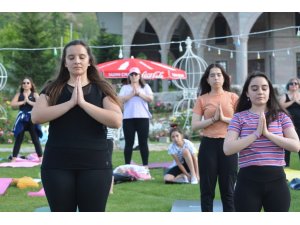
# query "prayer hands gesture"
(262, 128)
(219, 114)
(136, 91)
(77, 95)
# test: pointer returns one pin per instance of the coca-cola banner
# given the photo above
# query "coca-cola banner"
(149, 69)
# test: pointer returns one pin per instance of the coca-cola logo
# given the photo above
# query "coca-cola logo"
(154, 75)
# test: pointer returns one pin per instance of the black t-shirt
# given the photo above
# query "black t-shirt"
(294, 111)
(27, 107)
(76, 140)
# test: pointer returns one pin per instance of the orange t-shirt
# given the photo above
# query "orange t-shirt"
(206, 106)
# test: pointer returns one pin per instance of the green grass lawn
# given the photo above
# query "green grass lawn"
(139, 196)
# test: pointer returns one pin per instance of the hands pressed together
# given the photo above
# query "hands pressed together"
(77, 95)
(262, 128)
(219, 116)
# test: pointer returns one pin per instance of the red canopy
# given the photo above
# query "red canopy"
(150, 69)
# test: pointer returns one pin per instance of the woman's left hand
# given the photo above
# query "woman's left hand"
(80, 97)
(222, 117)
(265, 131)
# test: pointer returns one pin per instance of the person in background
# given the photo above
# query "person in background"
(110, 142)
(185, 165)
(136, 95)
(290, 101)
(78, 104)
(259, 132)
(24, 100)
(216, 104)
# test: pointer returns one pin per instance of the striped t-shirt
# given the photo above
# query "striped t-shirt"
(262, 152)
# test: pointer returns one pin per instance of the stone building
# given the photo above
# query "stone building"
(254, 41)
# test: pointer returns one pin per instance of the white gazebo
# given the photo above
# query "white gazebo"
(194, 67)
(3, 80)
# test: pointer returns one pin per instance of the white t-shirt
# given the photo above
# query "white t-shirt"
(176, 150)
(136, 107)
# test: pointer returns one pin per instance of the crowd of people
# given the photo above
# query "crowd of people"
(245, 145)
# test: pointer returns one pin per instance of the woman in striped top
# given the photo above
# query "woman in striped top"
(260, 131)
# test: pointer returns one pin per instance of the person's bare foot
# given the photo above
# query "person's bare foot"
(14, 159)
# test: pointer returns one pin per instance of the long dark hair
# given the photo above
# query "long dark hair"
(204, 85)
(273, 105)
(32, 89)
(54, 88)
(175, 129)
(141, 80)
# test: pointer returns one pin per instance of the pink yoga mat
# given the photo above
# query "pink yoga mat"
(40, 193)
(30, 161)
(20, 164)
(4, 184)
(156, 165)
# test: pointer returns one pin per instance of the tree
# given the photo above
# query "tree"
(106, 39)
(37, 64)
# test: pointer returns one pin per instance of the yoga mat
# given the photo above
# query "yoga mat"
(40, 193)
(4, 184)
(291, 173)
(42, 209)
(193, 206)
(20, 164)
(155, 165)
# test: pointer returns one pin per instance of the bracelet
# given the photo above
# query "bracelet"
(213, 120)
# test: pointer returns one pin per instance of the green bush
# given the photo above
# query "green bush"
(6, 121)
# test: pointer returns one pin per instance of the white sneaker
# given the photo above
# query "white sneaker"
(183, 179)
(194, 180)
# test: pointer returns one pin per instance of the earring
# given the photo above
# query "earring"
(248, 99)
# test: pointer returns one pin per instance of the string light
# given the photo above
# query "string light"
(219, 51)
(258, 55)
(55, 52)
(231, 54)
(180, 47)
(273, 54)
(120, 53)
(238, 41)
(199, 41)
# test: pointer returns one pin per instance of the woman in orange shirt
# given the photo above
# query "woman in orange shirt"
(212, 112)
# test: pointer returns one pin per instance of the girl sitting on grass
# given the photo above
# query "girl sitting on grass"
(185, 165)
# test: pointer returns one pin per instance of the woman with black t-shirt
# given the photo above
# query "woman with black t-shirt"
(290, 101)
(24, 100)
(79, 104)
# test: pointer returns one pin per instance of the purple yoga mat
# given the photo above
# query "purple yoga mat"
(156, 165)
(20, 164)
(4, 184)
(40, 193)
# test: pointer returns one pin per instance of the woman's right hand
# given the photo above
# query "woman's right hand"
(74, 97)
(261, 124)
(217, 113)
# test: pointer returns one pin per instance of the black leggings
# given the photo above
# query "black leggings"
(68, 189)
(141, 126)
(287, 157)
(215, 166)
(252, 195)
(35, 139)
